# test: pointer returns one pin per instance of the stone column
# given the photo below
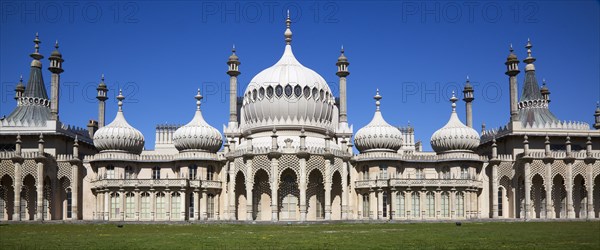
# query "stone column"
(217, 206)
(550, 214)
(17, 189)
(494, 181)
(231, 191)
(152, 204)
(74, 192)
(106, 204)
(327, 179)
(138, 204)
(168, 203)
(274, 188)
(380, 204)
(392, 203)
(302, 187)
(123, 206)
(344, 190)
(359, 207)
(590, 191)
(527, 205)
(372, 205)
(196, 204)
(203, 205)
(453, 203)
(569, 187)
(249, 186)
(39, 185)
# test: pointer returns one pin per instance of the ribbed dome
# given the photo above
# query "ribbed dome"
(454, 136)
(119, 135)
(378, 135)
(197, 135)
(287, 93)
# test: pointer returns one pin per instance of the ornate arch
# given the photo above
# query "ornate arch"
(289, 162)
(261, 162)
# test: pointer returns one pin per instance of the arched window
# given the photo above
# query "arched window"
(210, 209)
(297, 90)
(288, 90)
(69, 203)
(306, 92)
(269, 92)
(210, 172)
(430, 204)
(130, 205)
(160, 206)
(254, 93)
(192, 171)
(110, 172)
(145, 210)
(115, 205)
(156, 173)
(460, 204)
(400, 203)
(445, 204)
(500, 201)
(315, 93)
(365, 205)
(278, 91)
(383, 173)
(416, 204)
(175, 205)
(261, 93)
(129, 172)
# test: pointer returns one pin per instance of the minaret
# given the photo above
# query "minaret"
(56, 69)
(512, 70)
(597, 116)
(342, 73)
(544, 91)
(19, 89)
(102, 90)
(233, 73)
(468, 98)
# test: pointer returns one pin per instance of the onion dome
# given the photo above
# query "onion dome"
(287, 94)
(512, 55)
(197, 135)
(233, 57)
(544, 90)
(378, 135)
(56, 53)
(454, 136)
(20, 86)
(119, 135)
(342, 57)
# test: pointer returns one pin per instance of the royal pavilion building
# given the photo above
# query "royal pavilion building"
(287, 154)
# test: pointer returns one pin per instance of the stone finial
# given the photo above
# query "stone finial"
(120, 97)
(288, 31)
(198, 98)
(377, 98)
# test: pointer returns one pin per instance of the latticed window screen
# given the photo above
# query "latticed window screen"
(175, 205)
(430, 204)
(69, 203)
(400, 203)
(210, 210)
(129, 205)
(500, 201)
(445, 204)
(145, 210)
(115, 205)
(460, 204)
(160, 205)
(416, 204)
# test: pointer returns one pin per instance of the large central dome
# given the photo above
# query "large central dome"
(288, 94)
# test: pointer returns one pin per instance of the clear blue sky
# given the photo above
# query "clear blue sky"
(415, 52)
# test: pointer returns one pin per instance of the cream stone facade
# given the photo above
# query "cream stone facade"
(286, 154)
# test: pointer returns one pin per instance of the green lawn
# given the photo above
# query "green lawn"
(472, 235)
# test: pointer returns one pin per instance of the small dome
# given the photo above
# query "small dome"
(454, 136)
(56, 53)
(233, 57)
(119, 135)
(197, 135)
(378, 135)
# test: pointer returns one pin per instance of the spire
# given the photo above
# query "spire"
(198, 100)
(36, 53)
(120, 97)
(377, 98)
(597, 116)
(288, 31)
(530, 59)
(453, 99)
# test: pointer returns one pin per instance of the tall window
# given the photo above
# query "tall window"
(500, 199)
(445, 204)
(110, 172)
(145, 211)
(160, 205)
(383, 174)
(464, 173)
(210, 210)
(445, 173)
(385, 204)
(319, 207)
(460, 204)
(191, 206)
(419, 174)
(23, 206)
(416, 204)
(290, 203)
(192, 172)
(156, 173)
(129, 172)
(365, 173)
(210, 172)
(175, 205)
(365, 205)
(430, 204)
(115, 205)
(130, 205)
(69, 203)
(400, 204)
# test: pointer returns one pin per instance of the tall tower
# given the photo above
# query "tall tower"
(512, 70)
(56, 69)
(468, 98)
(233, 73)
(545, 91)
(102, 97)
(342, 72)
(597, 116)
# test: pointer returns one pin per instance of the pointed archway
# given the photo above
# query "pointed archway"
(559, 197)
(336, 196)
(579, 197)
(288, 195)
(7, 196)
(240, 196)
(538, 196)
(315, 196)
(261, 196)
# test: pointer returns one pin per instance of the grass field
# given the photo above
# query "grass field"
(471, 235)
